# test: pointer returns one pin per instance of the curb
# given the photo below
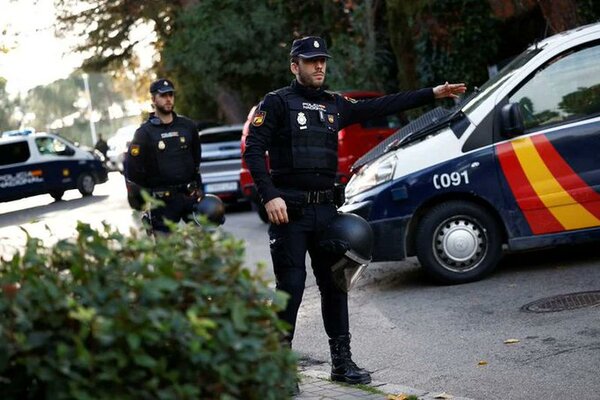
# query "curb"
(389, 389)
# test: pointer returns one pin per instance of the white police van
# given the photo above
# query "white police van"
(516, 165)
(36, 163)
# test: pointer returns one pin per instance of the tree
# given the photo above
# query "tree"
(230, 50)
(224, 55)
(6, 111)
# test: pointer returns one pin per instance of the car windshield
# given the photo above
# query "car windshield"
(490, 87)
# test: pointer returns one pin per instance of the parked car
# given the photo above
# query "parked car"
(221, 162)
(353, 142)
(515, 165)
(38, 163)
(117, 147)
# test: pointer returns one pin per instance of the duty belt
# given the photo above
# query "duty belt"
(319, 196)
(167, 191)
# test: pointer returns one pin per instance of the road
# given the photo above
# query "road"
(406, 330)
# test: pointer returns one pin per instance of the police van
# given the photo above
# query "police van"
(37, 163)
(514, 166)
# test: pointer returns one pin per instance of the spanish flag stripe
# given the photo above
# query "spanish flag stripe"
(564, 174)
(561, 204)
(537, 215)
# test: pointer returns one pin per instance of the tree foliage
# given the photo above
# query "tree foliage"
(6, 111)
(457, 40)
(225, 46)
(225, 55)
(106, 27)
(242, 49)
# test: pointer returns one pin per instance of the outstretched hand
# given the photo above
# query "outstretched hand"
(449, 90)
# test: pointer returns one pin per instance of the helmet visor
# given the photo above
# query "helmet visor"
(348, 270)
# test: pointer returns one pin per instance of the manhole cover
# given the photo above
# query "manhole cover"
(564, 302)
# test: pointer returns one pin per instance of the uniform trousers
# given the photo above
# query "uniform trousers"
(177, 206)
(289, 244)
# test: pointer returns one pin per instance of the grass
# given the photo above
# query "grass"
(371, 389)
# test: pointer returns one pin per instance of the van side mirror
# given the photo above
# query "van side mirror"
(512, 120)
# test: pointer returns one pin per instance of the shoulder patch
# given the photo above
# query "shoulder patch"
(259, 118)
(134, 150)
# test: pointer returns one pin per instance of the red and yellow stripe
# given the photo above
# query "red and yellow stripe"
(550, 194)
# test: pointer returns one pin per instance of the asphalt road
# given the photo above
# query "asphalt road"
(405, 329)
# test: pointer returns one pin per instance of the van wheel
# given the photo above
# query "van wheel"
(57, 195)
(86, 184)
(458, 242)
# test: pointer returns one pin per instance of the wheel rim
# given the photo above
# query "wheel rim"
(460, 244)
(88, 184)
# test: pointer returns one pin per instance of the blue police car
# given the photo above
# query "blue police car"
(37, 163)
(514, 166)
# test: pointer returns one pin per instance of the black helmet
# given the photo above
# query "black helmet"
(351, 238)
(211, 207)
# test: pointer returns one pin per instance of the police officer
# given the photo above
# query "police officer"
(298, 126)
(164, 158)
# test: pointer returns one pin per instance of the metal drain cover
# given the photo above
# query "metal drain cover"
(564, 302)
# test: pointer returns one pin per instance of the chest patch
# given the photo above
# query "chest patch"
(313, 106)
(301, 120)
(168, 135)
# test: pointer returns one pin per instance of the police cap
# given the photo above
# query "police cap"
(162, 86)
(309, 47)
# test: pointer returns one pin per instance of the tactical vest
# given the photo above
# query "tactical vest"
(311, 132)
(174, 158)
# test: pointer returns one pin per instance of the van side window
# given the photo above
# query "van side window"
(13, 153)
(567, 88)
(49, 145)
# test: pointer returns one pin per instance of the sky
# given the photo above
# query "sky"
(38, 57)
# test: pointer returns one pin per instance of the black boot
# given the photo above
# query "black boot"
(343, 369)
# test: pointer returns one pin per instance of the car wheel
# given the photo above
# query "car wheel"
(458, 242)
(57, 195)
(86, 184)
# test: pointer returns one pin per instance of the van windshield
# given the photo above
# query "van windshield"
(496, 81)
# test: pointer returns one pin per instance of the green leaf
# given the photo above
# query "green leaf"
(134, 341)
(144, 360)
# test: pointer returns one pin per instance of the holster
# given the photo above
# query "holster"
(339, 194)
(295, 203)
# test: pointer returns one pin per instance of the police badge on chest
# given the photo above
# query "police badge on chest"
(301, 119)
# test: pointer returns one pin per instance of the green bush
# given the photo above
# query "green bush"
(108, 316)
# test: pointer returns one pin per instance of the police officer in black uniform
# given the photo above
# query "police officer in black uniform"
(164, 158)
(298, 127)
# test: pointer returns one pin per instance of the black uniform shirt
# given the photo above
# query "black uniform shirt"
(273, 116)
(142, 163)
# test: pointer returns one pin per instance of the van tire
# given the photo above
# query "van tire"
(474, 235)
(86, 184)
(57, 194)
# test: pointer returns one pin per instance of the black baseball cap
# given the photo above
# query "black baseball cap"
(309, 47)
(162, 86)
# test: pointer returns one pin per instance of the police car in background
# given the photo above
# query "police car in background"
(37, 163)
(516, 165)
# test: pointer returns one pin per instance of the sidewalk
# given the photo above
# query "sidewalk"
(315, 385)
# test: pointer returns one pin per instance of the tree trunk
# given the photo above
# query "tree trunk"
(400, 17)
(230, 105)
(560, 15)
